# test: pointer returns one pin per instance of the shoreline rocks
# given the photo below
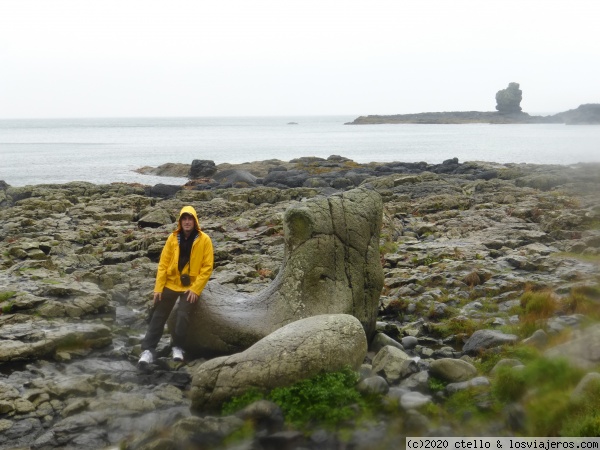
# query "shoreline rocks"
(461, 245)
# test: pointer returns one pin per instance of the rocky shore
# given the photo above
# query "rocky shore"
(483, 264)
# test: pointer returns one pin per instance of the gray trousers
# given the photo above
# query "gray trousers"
(160, 314)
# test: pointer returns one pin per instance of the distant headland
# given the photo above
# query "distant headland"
(508, 111)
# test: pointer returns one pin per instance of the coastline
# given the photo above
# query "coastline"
(588, 114)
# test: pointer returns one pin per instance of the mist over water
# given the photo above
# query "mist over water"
(109, 150)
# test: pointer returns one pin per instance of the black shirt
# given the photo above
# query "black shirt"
(185, 249)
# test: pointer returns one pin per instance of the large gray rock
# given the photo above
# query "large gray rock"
(484, 339)
(295, 352)
(452, 370)
(35, 339)
(235, 176)
(331, 266)
(155, 218)
(393, 364)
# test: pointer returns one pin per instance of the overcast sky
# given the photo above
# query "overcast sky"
(74, 58)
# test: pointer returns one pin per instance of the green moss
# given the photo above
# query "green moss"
(583, 413)
(523, 353)
(327, 399)
(584, 300)
(509, 385)
(388, 247)
(544, 387)
(247, 431)
(545, 413)
(5, 295)
(237, 403)
(540, 304)
(456, 326)
(436, 385)
(586, 426)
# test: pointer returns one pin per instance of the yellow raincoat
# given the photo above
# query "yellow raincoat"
(201, 260)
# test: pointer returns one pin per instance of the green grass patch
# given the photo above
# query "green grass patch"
(435, 384)
(544, 386)
(584, 300)
(327, 399)
(456, 326)
(237, 403)
(523, 353)
(5, 295)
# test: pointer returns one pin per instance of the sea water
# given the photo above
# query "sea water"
(36, 151)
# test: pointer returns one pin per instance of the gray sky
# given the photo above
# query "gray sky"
(74, 58)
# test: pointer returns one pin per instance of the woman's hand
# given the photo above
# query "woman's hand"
(157, 297)
(192, 297)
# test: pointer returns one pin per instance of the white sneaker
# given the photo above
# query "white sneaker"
(145, 359)
(177, 354)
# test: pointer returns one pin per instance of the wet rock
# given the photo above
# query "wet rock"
(485, 339)
(414, 400)
(373, 385)
(538, 339)
(294, 352)
(393, 364)
(452, 370)
(381, 340)
(41, 339)
(155, 218)
(453, 388)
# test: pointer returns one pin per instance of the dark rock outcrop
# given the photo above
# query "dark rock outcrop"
(202, 168)
(509, 100)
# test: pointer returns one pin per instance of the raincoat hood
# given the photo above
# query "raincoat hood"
(187, 210)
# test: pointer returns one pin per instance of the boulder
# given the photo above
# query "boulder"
(163, 190)
(381, 340)
(292, 353)
(452, 370)
(373, 385)
(414, 400)
(484, 339)
(202, 168)
(453, 388)
(393, 364)
(155, 218)
(233, 176)
(331, 266)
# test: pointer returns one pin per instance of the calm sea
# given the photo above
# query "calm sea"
(108, 150)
